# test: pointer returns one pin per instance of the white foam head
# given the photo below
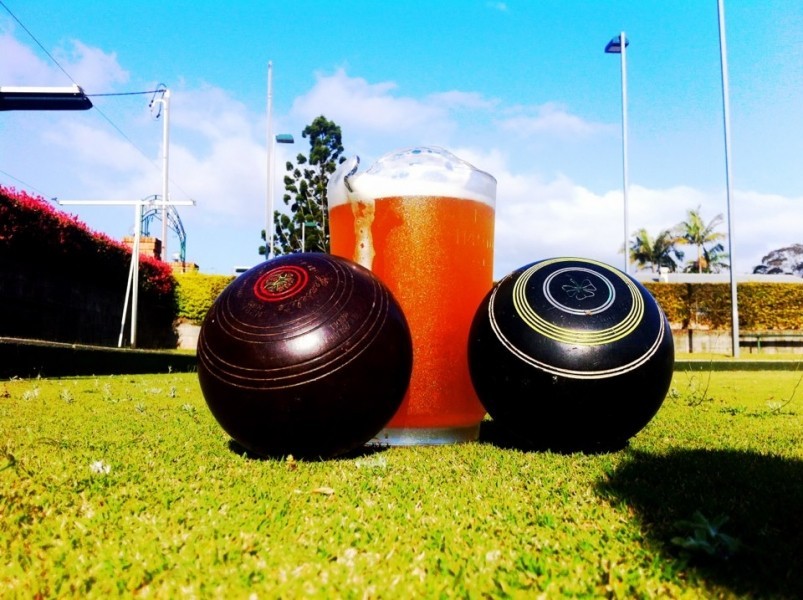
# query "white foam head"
(417, 171)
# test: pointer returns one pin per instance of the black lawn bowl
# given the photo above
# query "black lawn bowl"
(570, 354)
(306, 355)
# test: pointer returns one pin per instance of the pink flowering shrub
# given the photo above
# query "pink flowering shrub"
(39, 239)
(31, 227)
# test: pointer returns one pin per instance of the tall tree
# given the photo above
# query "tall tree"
(694, 231)
(306, 227)
(662, 251)
(783, 260)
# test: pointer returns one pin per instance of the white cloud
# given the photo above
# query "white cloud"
(213, 113)
(361, 108)
(91, 68)
(229, 181)
(95, 147)
(454, 100)
(20, 66)
(552, 119)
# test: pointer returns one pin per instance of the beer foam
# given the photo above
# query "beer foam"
(417, 171)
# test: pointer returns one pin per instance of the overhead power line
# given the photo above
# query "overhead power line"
(38, 43)
(26, 184)
(126, 93)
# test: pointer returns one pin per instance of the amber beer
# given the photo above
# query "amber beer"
(435, 253)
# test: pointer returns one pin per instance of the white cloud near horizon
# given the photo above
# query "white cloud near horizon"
(362, 108)
(550, 118)
(91, 68)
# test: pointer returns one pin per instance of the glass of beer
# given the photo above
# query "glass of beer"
(422, 219)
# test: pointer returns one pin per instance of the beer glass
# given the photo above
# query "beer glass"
(422, 219)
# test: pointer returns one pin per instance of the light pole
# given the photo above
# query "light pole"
(723, 55)
(618, 45)
(282, 138)
(165, 102)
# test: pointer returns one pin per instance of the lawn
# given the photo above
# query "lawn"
(122, 486)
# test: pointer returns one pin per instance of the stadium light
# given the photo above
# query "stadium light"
(43, 98)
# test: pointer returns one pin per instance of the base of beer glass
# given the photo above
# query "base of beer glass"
(434, 436)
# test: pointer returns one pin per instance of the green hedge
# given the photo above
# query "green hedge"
(762, 306)
(196, 292)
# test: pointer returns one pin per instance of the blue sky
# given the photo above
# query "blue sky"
(521, 89)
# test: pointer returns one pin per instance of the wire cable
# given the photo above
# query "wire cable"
(27, 185)
(13, 16)
(123, 93)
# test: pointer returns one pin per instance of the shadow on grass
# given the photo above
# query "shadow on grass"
(359, 452)
(492, 433)
(761, 497)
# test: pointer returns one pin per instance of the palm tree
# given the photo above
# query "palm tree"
(655, 253)
(696, 232)
(713, 260)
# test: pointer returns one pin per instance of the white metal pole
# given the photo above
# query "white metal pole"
(723, 54)
(269, 211)
(127, 290)
(135, 258)
(165, 154)
(625, 177)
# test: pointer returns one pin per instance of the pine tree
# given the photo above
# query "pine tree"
(305, 226)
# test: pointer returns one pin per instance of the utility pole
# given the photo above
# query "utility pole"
(165, 102)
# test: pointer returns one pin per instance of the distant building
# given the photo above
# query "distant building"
(184, 267)
(148, 246)
(152, 247)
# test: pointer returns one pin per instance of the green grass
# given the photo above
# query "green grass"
(126, 486)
